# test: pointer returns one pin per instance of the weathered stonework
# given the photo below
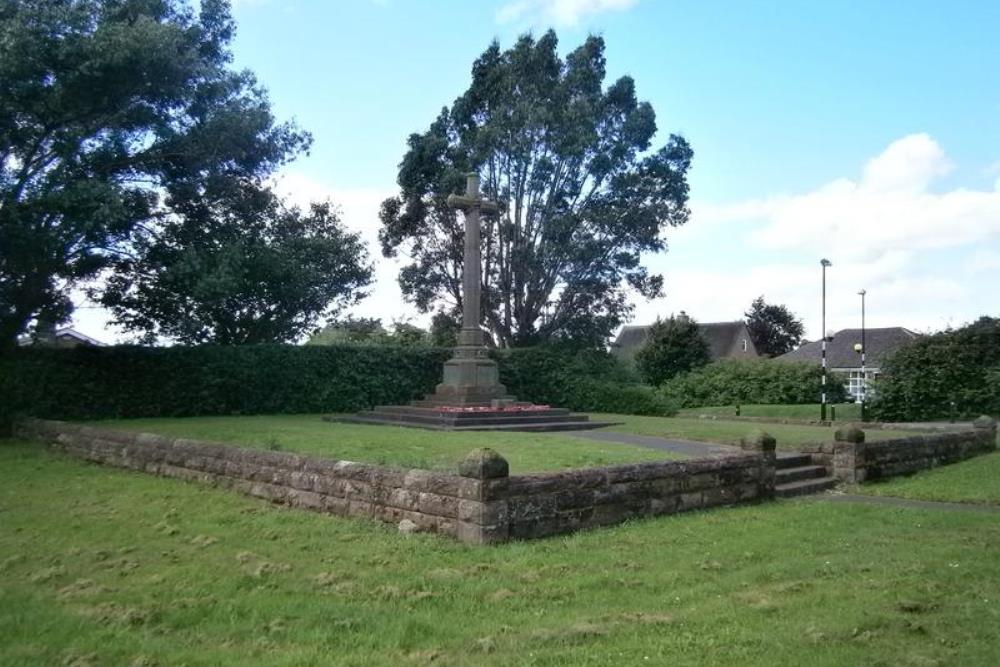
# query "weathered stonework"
(480, 505)
(858, 461)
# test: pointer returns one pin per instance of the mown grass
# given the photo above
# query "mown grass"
(974, 481)
(109, 567)
(393, 445)
(789, 436)
(843, 411)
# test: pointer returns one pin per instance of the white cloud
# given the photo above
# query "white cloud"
(915, 249)
(557, 12)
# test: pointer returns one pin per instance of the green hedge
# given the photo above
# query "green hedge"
(127, 381)
(920, 381)
(587, 380)
(732, 381)
(96, 383)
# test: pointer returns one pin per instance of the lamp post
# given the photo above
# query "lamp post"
(864, 371)
(822, 406)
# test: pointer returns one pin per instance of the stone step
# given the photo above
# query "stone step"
(785, 475)
(482, 419)
(804, 487)
(374, 420)
(784, 461)
(420, 411)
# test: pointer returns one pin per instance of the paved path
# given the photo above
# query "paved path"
(684, 447)
(889, 501)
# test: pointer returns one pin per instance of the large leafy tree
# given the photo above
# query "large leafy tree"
(774, 329)
(237, 266)
(109, 111)
(672, 347)
(583, 194)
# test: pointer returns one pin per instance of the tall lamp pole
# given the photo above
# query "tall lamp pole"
(822, 406)
(864, 371)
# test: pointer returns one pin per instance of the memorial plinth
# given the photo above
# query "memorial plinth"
(470, 396)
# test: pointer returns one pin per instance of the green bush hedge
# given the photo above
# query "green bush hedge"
(586, 380)
(732, 381)
(920, 381)
(126, 381)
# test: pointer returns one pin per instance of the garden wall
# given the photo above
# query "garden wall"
(855, 461)
(482, 504)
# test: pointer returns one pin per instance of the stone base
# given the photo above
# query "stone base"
(420, 414)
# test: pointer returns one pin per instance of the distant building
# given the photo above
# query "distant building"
(64, 337)
(726, 340)
(843, 358)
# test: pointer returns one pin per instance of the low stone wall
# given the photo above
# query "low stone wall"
(854, 460)
(482, 504)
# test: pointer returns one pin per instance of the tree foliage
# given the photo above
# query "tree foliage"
(774, 329)
(369, 331)
(110, 109)
(742, 381)
(921, 380)
(672, 347)
(238, 267)
(582, 195)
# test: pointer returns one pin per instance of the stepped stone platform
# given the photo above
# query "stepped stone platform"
(796, 475)
(431, 415)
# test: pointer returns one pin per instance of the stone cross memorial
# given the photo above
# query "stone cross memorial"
(471, 377)
(470, 397)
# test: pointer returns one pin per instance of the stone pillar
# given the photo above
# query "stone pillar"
(849, 463)
(987, 426)
(484, 520)
(765, 444)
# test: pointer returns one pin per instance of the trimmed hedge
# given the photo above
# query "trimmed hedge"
(921, 380)
(128, 381)
(732, 381)
(585, 380)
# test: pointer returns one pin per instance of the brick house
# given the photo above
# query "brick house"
(726, 340)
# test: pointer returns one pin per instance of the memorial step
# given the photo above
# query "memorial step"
(804, 487)
(785, 475)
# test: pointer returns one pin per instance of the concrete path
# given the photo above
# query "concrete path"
(683, 447)
(889, 501)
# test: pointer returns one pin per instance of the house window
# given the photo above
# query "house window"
(855, 384)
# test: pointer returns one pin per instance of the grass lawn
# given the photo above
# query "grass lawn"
(393, 445)
(974, 481)
(844, 411)
(789, 436)
(110, 567)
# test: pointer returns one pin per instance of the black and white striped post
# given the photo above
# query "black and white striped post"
(822, 406)
(864, 371)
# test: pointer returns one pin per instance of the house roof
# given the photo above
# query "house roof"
(65, 332)
(720, 336)
(840, 350)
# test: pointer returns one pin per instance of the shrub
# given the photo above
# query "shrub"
(673, 347)
(921, 380)
(128, 381)
(586, 380)
(732, 381)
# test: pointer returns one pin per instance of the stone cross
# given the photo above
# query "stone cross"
(471, 378)
(472, 204)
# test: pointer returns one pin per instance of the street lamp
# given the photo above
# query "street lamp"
(864, 372)
(822, 406)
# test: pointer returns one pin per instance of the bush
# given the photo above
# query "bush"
(127, 381)
(921, 380)
(99, 383)
(672, 347)
(585, 380)
(732, 381)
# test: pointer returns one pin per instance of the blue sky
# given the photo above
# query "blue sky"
(868, 132)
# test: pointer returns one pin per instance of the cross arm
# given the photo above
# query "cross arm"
(465, 203)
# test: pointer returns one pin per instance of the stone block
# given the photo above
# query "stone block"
(758, 441)
(849, 433)
(484, 463)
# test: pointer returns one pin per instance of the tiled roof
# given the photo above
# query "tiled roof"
(720, 336)
(840, 351)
